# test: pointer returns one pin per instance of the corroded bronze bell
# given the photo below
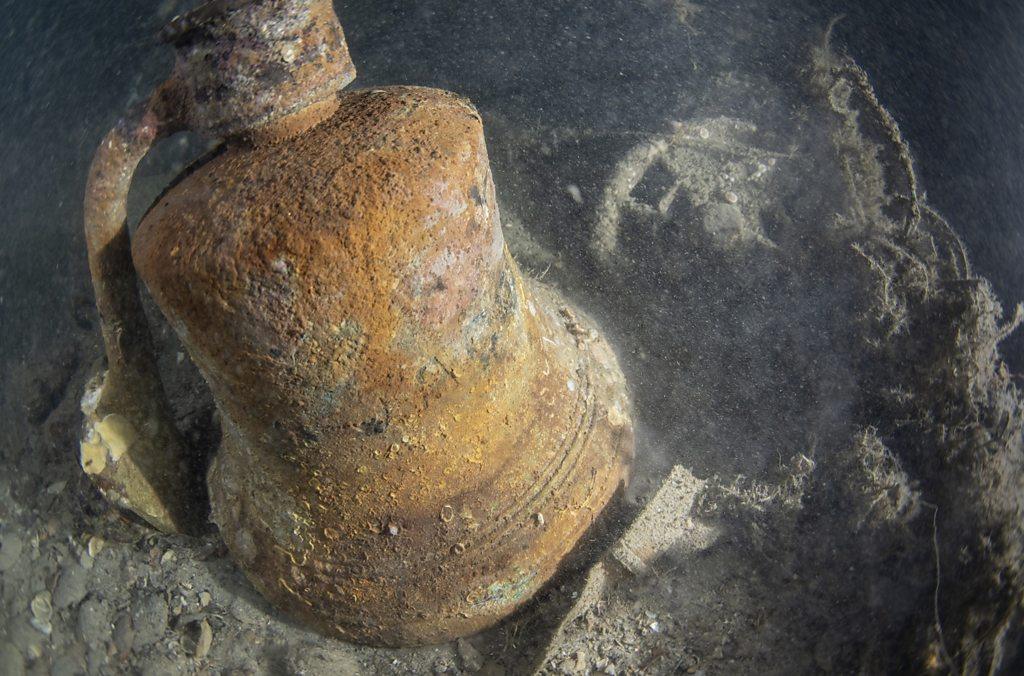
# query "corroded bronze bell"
(414, 435)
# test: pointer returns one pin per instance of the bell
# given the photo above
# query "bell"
(414, 434)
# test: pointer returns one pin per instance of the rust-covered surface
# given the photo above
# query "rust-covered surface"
(414, 434)
(245, 64)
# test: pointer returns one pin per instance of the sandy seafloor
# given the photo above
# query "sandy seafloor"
(829, 462)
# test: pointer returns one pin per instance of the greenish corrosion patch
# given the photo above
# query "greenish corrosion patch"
(503, 592)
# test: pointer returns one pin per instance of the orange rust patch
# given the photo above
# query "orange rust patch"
(399, 404)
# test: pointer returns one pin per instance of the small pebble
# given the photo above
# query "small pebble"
(71, 587)
(731, 197)
(95, 545)
(95, 659)
(10, 551)
(149, 619)
(472, 660)
(94, 622)
(42, 626)
(205, 598)
(124, 634)
(574, 193)
(205, 640)
(724, 222)
(41, 606)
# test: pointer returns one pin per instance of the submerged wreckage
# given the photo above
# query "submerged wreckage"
(414, 434)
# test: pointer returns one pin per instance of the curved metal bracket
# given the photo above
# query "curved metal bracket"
(130, 447)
